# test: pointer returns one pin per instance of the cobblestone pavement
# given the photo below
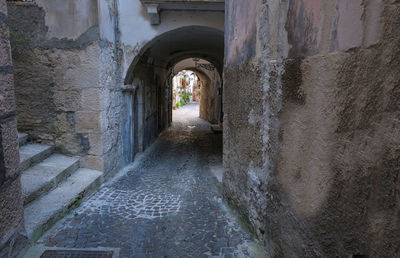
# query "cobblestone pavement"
(169, 205)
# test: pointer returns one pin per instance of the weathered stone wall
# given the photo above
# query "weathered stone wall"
(209, 100)
(311, 102)
(67, 78)
(50, 75)
(11, 209)
(110, 149)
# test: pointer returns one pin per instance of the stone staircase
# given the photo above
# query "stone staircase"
(52, 185)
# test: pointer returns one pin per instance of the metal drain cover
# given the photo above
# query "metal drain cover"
(76, 254)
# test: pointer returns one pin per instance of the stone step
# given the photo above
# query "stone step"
(31, 154)
(22, 139)
(46, 175)
(44, 212)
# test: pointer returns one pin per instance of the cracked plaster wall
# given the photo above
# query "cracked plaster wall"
(311, 129)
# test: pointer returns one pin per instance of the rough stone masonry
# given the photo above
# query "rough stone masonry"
(312, 130)
(66, 73)
(11, 210)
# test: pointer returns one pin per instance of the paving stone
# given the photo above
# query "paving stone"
(170, 205)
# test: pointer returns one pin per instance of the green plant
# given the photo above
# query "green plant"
(19, 41)
(78, 202)
(76, 213)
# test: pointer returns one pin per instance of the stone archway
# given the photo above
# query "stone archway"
(148, 81)
(211, 87)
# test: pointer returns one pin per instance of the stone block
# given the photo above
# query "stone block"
(96, 144)
(10, 146)
(67, 100)
(87, 122)
(78, 69)
(7, 95)
(92, 99)
(92, 162)
(65, 122)
(69, 143)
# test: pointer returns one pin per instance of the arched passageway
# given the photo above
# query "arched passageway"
(170, 202)
(209, 86)
(148, 94)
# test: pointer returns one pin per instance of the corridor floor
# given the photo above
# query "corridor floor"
(168, 205)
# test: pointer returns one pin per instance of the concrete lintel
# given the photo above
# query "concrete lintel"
(155, 6)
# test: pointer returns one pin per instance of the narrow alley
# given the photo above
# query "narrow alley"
(199, 128)
(169, 204)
